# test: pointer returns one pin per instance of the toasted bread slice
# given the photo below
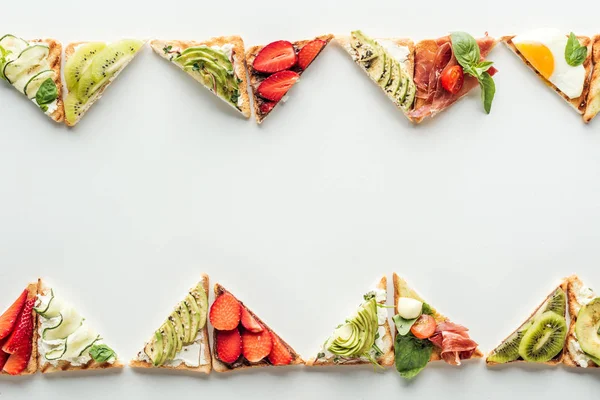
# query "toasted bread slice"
(242, 363)
(54, 110)
(579, 103)
(539, 309)
(32, 366)
(263, 107)
(46, 366)
(593, 101)
(577, 293)
(407, 49)
(387, 346)
(402, 289)
(69, 52)
(171, 49)
(204, 362)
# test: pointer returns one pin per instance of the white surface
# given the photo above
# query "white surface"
(298, 217)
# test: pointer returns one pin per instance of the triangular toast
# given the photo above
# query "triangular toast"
(200, 359)
(85, 83)
(578, 294)
(579, 103)
(403, 290)
(242, 362)
(496, 356)
(81, 349)
(593, 101)
(230, 47)
(383, 353)
(263, 106)
(32, 365)
(30, 73)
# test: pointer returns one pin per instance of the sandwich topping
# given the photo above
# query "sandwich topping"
(16, 335)
(585, 344)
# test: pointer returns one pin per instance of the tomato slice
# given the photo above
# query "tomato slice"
(452, 79)
(424, 327)
(492, 71)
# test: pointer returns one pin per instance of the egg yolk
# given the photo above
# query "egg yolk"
(539, 56)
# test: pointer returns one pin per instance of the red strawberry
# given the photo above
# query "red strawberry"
(279, 355)
(309, 52)
(3, 356)
(17, 363)
(10, 316)
(225, 312)
(23, 332)
(267, 106)
(256, 346)
(275, 57)
(276, 86)
(229, 345)
(249, 322)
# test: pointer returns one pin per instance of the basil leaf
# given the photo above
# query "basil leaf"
(488, 90)
(465, 48)
(575, 53)
(403, 325)
(412, 355)
(102, 353)
(47, 92)
(427, 309)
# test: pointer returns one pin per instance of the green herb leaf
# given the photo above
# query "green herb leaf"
(320, 355)
(47, 92)
(465, 48)
(102, 353)
(427, 309)
(575, 53)
(488, 90)
(167, 49)
(412, 355)
(403, 325)
(44, 107)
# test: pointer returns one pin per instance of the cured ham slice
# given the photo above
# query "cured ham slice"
(454, 342)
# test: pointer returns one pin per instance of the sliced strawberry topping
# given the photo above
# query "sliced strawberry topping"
(267, 106)
(249, 322)
(279, 355)
(229, 345)
(17, 363)
(225, 312)
(3, 356)
(10, 316)
(309, 52)
(256, 346)
(23, 332)
(275, 57)
(276, 86)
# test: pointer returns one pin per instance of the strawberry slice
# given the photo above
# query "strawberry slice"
(17, 363)
(309, 52)
(23, 332)
(3, 356)
(256, 346)
(10, 316)
(225, 312)
(249, 322)
(275, 57)
(229, 345)
(267, 106)
(280, 355)
(276, 86)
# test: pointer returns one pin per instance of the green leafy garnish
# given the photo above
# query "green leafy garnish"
(411, 354)
(102, 353)
(466, 51)
(47, 92)
(427, 309)
(403, 325)
(167, 49)
(575, 53)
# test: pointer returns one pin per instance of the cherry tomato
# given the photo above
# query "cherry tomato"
(424, 327)
(452, 79)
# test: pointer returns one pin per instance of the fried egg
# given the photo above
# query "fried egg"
(545, 51)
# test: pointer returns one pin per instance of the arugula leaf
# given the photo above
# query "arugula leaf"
(167, 49)
(102, 353)
(488, 90)
(403, 325)
(427, 309)
(47, 92)
(412, 355)
(465, 48)
(575, 53)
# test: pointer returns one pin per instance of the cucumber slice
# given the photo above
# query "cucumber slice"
(78, 341)
(57, 352)
(88, 347)
(13, 44)
(33, 84)
(28, 59)
(53, 323)
(42, 308)
(52, 308)
(71, 320)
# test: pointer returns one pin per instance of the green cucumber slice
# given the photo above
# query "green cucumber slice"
(71, 321)
(41, 308)
(13, 44)
(54, 323)
(28, 59)
(80, 340)
(33, 84)
(53, 307)
(98, 338)
(58, 352)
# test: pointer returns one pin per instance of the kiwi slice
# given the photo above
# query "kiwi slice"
(88, 85)
(508, 350)
(73, 108)
(544, 339)
(113, 58)
(557, 302)
(80, 61)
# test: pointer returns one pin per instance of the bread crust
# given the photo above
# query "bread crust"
(593, 101)
(55, 61)
(402, 289)
(239, 58)
(579, 103)
(64, 365)
(207, 368)
(256, 78)
(241, 364)
(559, 357)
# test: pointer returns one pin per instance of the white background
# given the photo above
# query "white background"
(298, 217)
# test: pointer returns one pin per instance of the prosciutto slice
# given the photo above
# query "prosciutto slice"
(432, 58)
(454, 342)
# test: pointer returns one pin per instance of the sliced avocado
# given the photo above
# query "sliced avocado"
(587, 326)
(216, 56)
(169, 345)
(387, 72)
(356, 337)
(195, 312)
(403, 89)
(154, 349)
(370, 54)
(202, 301)
(409, 99)
(175, 320)
(186, 319)
(395, 79)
